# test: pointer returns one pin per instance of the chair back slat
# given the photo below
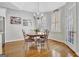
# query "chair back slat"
(24, 34)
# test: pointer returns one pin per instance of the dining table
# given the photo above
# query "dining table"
(39, 39)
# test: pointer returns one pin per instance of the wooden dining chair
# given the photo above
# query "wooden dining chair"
(45, 40)
(28, 41)
(42, 43)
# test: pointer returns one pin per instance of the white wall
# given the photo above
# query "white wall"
(2, 12)
(14, 31)
(59, 36)
(78, 26)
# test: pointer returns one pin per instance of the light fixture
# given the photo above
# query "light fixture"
(38, 15)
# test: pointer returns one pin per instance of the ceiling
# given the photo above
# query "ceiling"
(33, 6)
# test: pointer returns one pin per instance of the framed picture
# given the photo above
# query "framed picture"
(15, 20)
(25, 22)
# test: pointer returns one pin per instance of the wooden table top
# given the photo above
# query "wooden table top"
(36, 35)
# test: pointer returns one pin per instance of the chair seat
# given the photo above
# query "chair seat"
(29, 40)
(40, 41)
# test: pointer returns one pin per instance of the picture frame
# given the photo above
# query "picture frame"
(15, 20)
(25, 22)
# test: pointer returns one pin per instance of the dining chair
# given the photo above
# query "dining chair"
(28, 41)
(38, 43)
(46, 37)
(42, 43)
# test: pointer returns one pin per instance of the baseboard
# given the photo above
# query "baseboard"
(57, 40)
(14, 40)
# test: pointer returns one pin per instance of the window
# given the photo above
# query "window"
(71, 34)
(55, 21)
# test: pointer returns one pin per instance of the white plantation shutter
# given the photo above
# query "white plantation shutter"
(55, 21)
(44, 23)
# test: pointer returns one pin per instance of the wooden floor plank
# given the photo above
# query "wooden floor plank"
(17, 49)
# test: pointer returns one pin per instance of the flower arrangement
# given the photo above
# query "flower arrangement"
(37, 30)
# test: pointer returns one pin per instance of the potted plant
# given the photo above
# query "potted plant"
(37, 30)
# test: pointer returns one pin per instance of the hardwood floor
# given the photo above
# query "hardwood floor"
(57, 49)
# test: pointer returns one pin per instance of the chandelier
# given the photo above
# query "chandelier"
(38, 15)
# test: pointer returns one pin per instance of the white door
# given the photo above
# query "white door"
(71, 34)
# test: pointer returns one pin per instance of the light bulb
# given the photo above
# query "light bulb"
(34, 14)
(38, 13)
(42, 15)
